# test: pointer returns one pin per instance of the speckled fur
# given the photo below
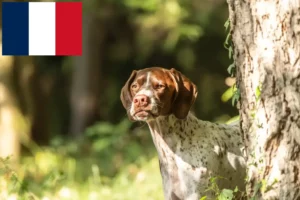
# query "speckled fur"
(191, 151)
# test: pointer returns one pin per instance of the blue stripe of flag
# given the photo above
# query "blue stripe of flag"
(15, 28)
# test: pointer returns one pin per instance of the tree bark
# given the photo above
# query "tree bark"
(266, 40)
(41, 86)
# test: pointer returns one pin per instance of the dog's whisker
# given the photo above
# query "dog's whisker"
(143, 124)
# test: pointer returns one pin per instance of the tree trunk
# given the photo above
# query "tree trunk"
(11, 119)
(12, 122)
(41, 86)
(86, 76)
(266, 40)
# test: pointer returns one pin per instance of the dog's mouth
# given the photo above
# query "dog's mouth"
(144, 114)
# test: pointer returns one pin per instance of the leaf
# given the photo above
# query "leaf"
(203, 198)
(100, 129)
(3, 171)
(228, 94)
(147, 5)
(226, 43)
(190, 31)
(236, 189)
(236, 97)
(171, 40)
(231, 69)
(228, 37)
(263, 185)
(252, 114)
(226, 195)
(123, 126)
(13, 183)
(258, 92)
(101, 144)
(233, 119)
(227, 24)
(256, 188)
(230, 52)
(213, 179)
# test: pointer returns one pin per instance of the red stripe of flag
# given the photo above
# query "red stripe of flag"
(68, 28)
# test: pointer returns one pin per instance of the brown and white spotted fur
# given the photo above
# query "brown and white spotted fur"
(190, 151)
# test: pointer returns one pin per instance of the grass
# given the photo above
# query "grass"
(111, 162)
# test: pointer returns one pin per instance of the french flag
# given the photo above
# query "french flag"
(42, 28)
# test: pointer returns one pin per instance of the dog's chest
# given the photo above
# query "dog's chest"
(192, 151)
(182, 173)
(183, 161)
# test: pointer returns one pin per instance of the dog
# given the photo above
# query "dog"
(190, 151)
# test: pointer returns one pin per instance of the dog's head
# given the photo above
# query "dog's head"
(156, 91)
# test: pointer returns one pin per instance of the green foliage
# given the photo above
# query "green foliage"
(112, 160)
(214, 186)
(228, 94)
(9, 181)
(236, 97)
(124, 166)
(262, 187)
(224, 194)
(232, 92)
(228, 45)
(227, 28)
(231, 69)
(258, 92)
(184, 31)
(146, 5)
(256, 190)
(233, 119)
(106, 134)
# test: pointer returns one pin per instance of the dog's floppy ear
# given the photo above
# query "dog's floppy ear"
(186, 93)
(126, 97)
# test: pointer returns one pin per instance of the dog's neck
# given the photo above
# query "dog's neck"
(166, 125)
(168, 131)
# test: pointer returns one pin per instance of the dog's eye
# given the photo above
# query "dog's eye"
(134, 86)
(159, 86)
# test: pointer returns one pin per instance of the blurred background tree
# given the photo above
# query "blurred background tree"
(66, 114)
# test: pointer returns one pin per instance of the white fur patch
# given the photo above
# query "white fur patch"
(192, 151)
(146, 90)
